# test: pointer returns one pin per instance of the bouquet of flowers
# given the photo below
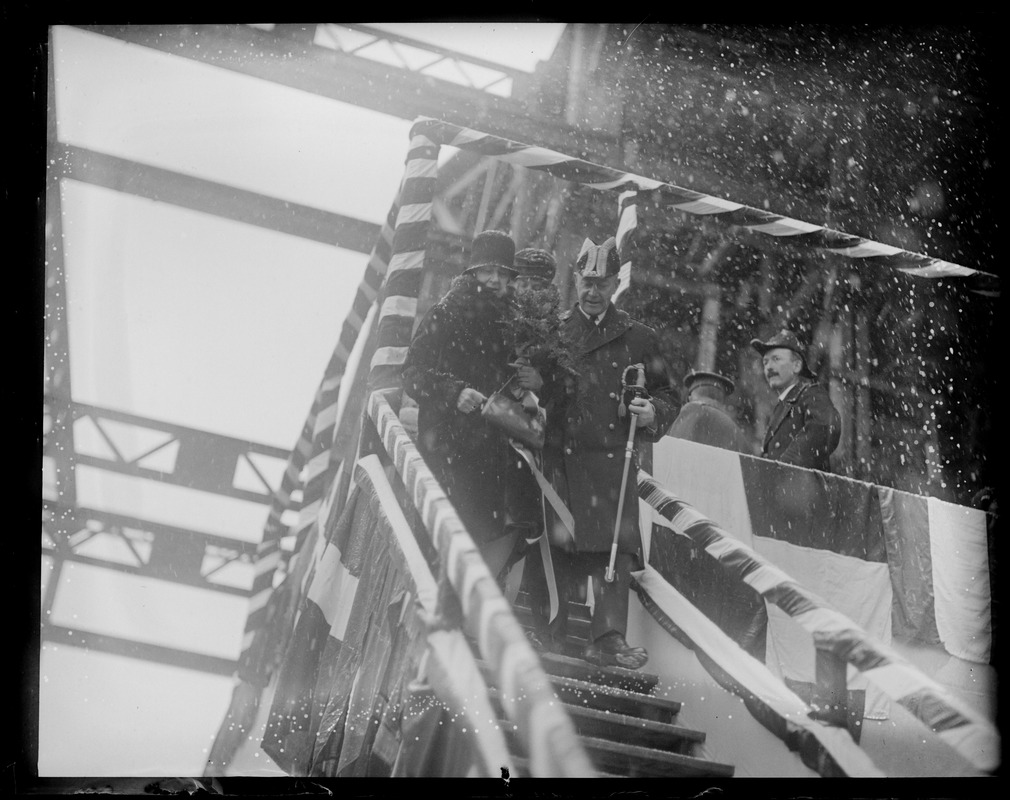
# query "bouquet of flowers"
(534, 328)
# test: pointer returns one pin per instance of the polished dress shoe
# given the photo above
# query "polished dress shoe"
(610, 650)
(535, 641)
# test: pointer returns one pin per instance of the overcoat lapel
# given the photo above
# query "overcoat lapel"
(591, 336)
(781, 411)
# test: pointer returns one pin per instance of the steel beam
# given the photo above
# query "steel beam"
(218, 199)
(205, 461)
(139, 650)
(359, 81)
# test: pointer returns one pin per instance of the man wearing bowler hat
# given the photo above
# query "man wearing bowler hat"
(706, 417)
(804, 428)
(587, 442)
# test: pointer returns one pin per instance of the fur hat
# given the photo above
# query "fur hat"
(790, 341)
(492, 249)
(598, 260)
(536, 263)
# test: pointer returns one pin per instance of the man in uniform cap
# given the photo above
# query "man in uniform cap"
(585, 451)
(804, 428)
(706, 417)
(732, 605)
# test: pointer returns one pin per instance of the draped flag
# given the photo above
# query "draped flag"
(403, 278)
(313, 459)
(627, 224)
(828, 750)
(392, 284)
(845, 564)
(395, 268)
(542, 726)
(346, 690)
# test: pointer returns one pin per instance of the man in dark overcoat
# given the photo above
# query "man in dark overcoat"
(731, 604)
(458, 357)
(585, 453)
(706, 417)
(804, 427)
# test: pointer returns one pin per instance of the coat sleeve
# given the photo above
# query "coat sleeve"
(662, 392)
(821, 431)
(427, 374)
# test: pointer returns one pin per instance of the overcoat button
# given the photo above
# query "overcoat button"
(568, 450)
(613, 396)
(615, 365)
(611, 426)
(610, 455)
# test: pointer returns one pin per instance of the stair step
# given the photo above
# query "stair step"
(635, 761)
(664, 736)
(619, 677)
(586, 694)
(623, 760)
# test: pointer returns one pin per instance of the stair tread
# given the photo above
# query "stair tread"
(635, 680)
(639, 724)
(657, 760)
(617, 694)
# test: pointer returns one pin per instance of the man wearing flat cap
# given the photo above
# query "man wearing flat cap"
(706, 417)
(585, 450)
(804, 428)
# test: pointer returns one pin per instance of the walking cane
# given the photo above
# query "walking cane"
(637, 390)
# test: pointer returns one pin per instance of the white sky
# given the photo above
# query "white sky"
(213, 324)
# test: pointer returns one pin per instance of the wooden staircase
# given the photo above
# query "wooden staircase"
(626, 728)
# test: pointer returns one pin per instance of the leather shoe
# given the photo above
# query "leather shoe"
(611, 650)
(535, 641)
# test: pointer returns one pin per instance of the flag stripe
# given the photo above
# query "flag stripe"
(313, 440)
(927, 700)
(602, 177)
(486, 610)
(741, 673)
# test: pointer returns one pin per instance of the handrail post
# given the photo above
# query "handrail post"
(830, 695)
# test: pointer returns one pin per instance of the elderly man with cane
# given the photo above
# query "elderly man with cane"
(623, 396)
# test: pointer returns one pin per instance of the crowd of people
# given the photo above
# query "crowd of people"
(532, 417)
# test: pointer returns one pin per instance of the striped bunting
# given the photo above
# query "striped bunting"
(972, 736)
(313, 449)
(403, 282)
(451, 668)
(680, 199)
(745, 676)
(627, 224)
(527, 697)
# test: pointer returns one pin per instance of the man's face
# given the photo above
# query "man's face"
(493, 278)
(782, 368)
(528, 283)
(595, 293)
